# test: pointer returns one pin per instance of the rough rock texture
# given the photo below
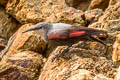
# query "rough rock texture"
(21, 66)
(111, 13)
(101, 77)
(112, 26)
(44, 10)
(92, 16)
(116, 50)
(81, 74)
(25, 11)
(3, 2)
(78, 4)
(102, 4)
(112, 2)
(58, 11)
(85, 60)
(117, 77)
(82, 55)
(3, 43)
(18, 62)
(24, 41)
(109, 21)
(7, 24)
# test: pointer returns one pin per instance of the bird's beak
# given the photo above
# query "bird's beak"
(31, 29)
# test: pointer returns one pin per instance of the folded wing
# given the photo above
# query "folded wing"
(73, 31)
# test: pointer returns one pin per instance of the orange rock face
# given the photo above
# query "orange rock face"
(19, 60)
(24, 57)
(3, 44)
(7, 24)
(102, 4)
(112, 2)
(111, 13)
(21, 66)
(116, 50)
(25, 11)
(92, 16)
(24, 41)
(78, 4)
(82, 55)
(43, 10)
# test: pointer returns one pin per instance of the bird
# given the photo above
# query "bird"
(62, 31)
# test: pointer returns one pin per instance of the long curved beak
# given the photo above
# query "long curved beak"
(31, 29)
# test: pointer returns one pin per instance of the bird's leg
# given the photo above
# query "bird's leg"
(62, 54)
(97, 40)
(66, 50)
(100, 41)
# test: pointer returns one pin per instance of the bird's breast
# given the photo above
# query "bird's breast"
(55, 36)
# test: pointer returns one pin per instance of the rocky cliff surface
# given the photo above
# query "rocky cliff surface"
(28, 57)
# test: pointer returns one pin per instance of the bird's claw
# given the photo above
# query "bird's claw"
(58, 56)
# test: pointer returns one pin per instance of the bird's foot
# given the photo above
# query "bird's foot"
(97, 40)
(62, 55)
(57, 56)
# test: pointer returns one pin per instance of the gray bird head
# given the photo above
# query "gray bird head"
(41, 29)
(40, 26)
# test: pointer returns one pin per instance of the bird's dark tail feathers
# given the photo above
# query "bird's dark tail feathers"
(96, 32)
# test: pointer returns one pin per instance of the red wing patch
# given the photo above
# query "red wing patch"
(56, 37)
(76, 33)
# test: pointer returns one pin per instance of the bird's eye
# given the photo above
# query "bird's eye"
(40, 27)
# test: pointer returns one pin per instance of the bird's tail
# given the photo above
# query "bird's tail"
(96, 32)
(90, 31)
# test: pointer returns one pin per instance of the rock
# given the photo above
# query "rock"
(58, 11)
(7, 24)
(3, 2)
(21, 66)
(18, 61)
(90, 60)
(112, 26)
(92, 16)
(82, 55)
(111, 13)
(116, 50)
(112, 2)
(81, 74)
(25, 11)
(98, 25)
(101, 77)
(110, 19)
(3, 44)
(109, 25)
(78, 4)
(43, 10)
(24, 41)
(117, 77)
(102, 4)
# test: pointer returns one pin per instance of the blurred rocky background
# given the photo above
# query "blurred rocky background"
(27, 57)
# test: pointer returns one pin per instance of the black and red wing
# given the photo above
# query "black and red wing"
(73, 31)
(89, 31)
